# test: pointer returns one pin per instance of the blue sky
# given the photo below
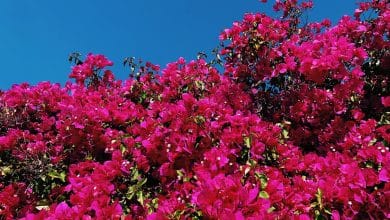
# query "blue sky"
(36, 37)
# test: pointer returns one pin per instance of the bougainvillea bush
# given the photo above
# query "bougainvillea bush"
(294, 125)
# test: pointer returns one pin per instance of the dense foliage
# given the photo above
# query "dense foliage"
(295, 125)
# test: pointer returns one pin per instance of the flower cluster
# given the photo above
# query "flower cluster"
(297, 126)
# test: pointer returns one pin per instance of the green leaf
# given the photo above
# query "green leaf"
(134, 174)
(263, 179)
(319, 198)
(89, 157)
(55, 175)
(63, 176)
(327, 211)
(152, 206)
(199, 119)
(285, 134)
(200, 84)
(180, 175)
(130, 192)
(252, 163)
(5, 170)
(43, 178)
(274, 155)
(271, 209)
(247, 141)
(123, 148)
(177, 214)
(263, 195)
(313, 204)
(140, 197)
(141, 183)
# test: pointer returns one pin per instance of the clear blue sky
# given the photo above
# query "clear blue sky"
(37, 36)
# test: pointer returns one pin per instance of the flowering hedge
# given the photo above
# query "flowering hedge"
(296, 125)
